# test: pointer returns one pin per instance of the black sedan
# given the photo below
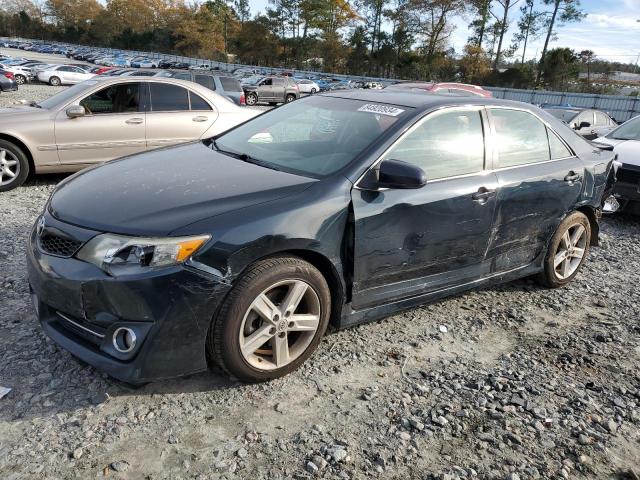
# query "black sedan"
(336, 209)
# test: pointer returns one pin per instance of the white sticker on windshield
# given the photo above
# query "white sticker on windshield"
(381, 109)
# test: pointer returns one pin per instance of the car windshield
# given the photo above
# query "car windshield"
(315, 136)
(563, 114)
(629, 130)
(64, 96)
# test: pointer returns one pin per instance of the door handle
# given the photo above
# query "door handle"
(483, 195)
(200, 118)
(571, 177)
(134, 121)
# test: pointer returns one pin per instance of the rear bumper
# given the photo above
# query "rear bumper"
(80, 307)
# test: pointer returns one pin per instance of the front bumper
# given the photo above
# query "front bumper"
(80, 307)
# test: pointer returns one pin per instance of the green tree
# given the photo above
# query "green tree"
(560, 65)
(559, 12)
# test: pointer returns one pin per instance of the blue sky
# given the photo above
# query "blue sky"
(610, 30)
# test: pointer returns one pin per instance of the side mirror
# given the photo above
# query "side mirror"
(583, 125)
(76, 111)
(398, 174)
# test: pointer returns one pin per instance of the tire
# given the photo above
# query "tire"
(12, 175)
(568, 249)
(232, 328)
(55, 82)
(251, 99)
(313, 90)
(290, 98)
(20, 79)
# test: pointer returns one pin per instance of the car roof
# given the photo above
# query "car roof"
(419, 100)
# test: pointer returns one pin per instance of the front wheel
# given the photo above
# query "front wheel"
(567, 251)
(252, 99)
(20, 79)
(54, 82)
(14, 166)
(272, 320)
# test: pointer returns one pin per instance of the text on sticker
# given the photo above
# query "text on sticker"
(381, 109)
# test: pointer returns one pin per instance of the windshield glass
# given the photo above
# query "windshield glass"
(629, 130)
(315, 136)
(64, 96)
(562, 114)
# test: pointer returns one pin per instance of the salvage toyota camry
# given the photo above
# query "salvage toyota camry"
(342, 208)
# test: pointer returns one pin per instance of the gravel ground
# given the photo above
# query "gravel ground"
(513, 382)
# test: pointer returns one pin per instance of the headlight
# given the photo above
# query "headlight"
(120, 254)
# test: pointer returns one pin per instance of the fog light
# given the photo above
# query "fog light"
(124, 340)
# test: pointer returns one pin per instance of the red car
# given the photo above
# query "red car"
(458, 89)
(101, 70)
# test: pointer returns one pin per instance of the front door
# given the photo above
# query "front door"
(410, 242)
(540, 179)
(176, 115)
(112, 127)
(265, 90)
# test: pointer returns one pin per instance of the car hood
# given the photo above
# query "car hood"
(628, 150)
(155, 193)
(19, 110)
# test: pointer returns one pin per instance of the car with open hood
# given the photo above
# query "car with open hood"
(106, 118)
(241, 249)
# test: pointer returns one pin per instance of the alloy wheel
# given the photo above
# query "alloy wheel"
(570, 252)
(251, 99)
(9, 167)
(20, 80)
(279, 325)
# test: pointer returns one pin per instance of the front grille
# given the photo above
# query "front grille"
(628, 176)
(58, 245)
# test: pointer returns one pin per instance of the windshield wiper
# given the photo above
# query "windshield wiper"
(245, 157)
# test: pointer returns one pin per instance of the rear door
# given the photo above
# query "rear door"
(114, 126)
(279, 89)
(175, 115)
(411, 242)
(540, 180)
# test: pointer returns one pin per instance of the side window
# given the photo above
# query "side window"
(198, 103)
(121, 98)
(461, 93)
(278, 82)
(444, 144)
(168, 98)
(520, 138)
(602, 120)
(585, 117)
(206, 81)
(558, 149)
(65, 69)
(266, 82)
(182, 76)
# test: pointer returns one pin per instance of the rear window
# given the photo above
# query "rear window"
(205, 81)
(230, 84)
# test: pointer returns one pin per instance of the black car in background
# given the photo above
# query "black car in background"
(336, 209)
(7, 81)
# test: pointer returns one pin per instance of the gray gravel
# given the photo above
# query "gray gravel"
(513, 382)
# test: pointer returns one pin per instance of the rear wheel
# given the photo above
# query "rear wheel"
(313, 90)
(20, 79)
(14, 166)
(55, 82)
(251, 99)
(567, 251)
(272, 320)
(290, 98)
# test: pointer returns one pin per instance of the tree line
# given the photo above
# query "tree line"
(409, 39)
